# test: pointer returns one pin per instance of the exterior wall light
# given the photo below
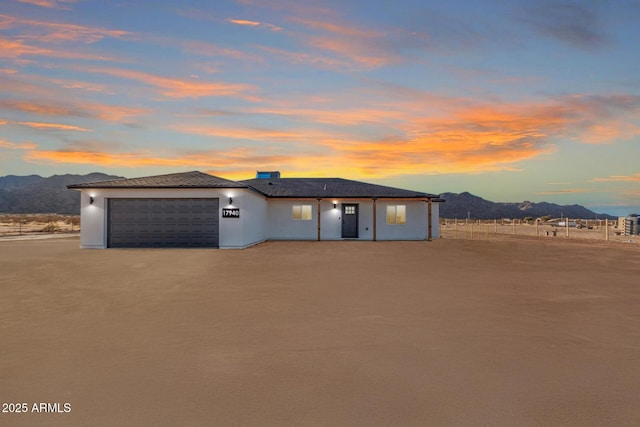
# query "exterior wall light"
(230, 201)
(91, 200)
(335, 205)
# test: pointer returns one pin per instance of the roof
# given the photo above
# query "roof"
(193, 179)
(274, 187)
(328, 187)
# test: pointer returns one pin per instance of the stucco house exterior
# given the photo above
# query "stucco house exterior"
(195, 209)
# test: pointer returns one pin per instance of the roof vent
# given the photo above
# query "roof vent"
(267, 174)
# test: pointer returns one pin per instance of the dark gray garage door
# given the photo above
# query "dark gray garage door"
(160, 223)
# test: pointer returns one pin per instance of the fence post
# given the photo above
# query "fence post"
(606, 229)
(567, 226)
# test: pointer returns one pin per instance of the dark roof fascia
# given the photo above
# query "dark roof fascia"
(96, 185)
(426, 197)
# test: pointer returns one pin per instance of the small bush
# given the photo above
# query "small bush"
(50, 228)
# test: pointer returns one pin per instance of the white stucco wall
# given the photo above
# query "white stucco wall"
(282, 226)
(435, 222)
(264, 219)
(234, 233)
(415, 227)
(253, 219)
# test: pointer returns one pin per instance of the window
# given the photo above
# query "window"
(396, 214)
(302, 212)
(349, 210)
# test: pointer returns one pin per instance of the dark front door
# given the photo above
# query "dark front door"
(349, 221)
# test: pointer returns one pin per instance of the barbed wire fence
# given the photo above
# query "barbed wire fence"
(32, 224)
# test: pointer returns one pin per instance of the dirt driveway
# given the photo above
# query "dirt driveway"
(450, 332)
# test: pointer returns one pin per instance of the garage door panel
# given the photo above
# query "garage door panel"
(163, 223)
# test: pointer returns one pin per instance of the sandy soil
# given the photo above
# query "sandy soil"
(450, 332)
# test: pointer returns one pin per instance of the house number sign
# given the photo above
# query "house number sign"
(231, 213)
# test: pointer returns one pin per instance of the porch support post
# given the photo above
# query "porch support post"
(375, 222)
(319, 219)
(429, 220)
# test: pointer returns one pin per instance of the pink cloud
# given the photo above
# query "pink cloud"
(179, 88)
(17, 48)
(54, 126)
(44, 31)
(112, 113)
(210, 49)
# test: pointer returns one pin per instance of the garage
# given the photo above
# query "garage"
(162, 223)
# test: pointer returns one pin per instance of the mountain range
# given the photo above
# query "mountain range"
(35, 194)
(466, 205)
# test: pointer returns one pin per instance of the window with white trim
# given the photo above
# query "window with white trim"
(396, 214)
(301, 212)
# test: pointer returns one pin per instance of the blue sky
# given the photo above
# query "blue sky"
(510, 100)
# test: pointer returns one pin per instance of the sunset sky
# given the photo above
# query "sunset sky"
(509, 99)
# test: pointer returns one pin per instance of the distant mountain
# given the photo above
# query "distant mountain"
(35, 194)
(465, 205)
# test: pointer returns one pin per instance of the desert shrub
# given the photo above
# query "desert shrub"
(50, 228)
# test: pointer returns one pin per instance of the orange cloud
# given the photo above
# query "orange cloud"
(469, 139)
(179, 88)
(600, 119)
(113, 113)
(236, 163)
(365, 48)
(55, 126)
(422, 135)
(15, 146)
(244, 22)
(250, 23)
(248, 133)
(619, 178)
(50, 4)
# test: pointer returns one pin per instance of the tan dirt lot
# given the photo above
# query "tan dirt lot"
(450, 332)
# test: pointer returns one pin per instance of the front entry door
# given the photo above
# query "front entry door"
(349, 221)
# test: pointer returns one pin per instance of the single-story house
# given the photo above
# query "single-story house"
(195, 209)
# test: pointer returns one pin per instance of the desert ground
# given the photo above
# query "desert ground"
(12, 225)
(455, 332)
